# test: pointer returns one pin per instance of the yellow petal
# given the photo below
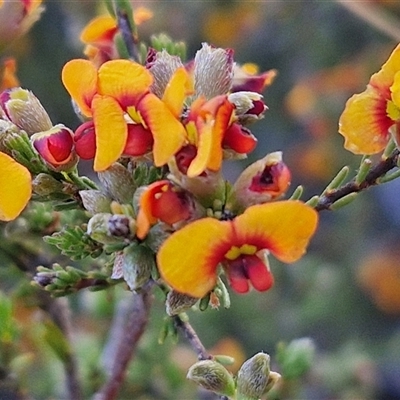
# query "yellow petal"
(188, 259)
(364, 123)
(178, 88)
(15, 188)
(124, 80)
(168, 132)
(111, 131)
(204, 150)
(80, 79)
(283, 227)
(101, 28)
(383, 79)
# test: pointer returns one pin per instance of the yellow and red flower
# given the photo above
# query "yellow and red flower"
(16, 18)
(99, 36)
(188, 260)
(369, 115)
(116, 95)
(265, 180)
(165, 202)
(15, 188)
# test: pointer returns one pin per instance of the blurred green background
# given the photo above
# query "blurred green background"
(345, 294)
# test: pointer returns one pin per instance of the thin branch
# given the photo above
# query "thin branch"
(127, 34)
(133, 329)
(374, 15)
(192, 337)
(59, 311)
(378, 171)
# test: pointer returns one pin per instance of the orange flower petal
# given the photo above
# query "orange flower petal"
(284, 228)
(168, 132)
(15, 188)
(364, 123)
(188, 259)
(178, 88)
(80, 79)
(383, 79)
(145, 216)
(124, 80)
(111, 131)
(98, 30)
(204, 150)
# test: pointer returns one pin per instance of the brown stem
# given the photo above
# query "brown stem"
(379, 170)
(192, 337)
(127, 35)
(59, 312)
(133, 329)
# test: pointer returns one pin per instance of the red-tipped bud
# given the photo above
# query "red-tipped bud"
(249, 106)
(85, 141)
(56, 147)
(263, 181)
(140, 141)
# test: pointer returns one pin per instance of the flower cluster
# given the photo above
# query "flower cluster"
(184, 119)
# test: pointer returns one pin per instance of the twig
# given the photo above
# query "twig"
(135, 324)
(374, 15)
(191, 335)
(127, 35)
(379, 170)
(59, 311)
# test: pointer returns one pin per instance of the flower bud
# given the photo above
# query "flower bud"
(213, 71)
(8, 130)
(110, 229)
(249, 106)
(55, 147)
(263, 181)
(118, 183)
(45, 185)
(253, 377)
(85, 141)
(211, 375)
(24, 109)
(95, 201)
(137, 264)
(177, 303)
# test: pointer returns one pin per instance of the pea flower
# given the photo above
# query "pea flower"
(99, 36)
(208, 114)
(16, 18)
(265, 180)
(165, 202)
(8, 78)
(188, 260)
(15, 188)
(116, 95)
(367, 117)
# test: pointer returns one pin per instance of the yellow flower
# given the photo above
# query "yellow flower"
(367, 117)
(15, 188)
(117, 91)
(188, 260)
